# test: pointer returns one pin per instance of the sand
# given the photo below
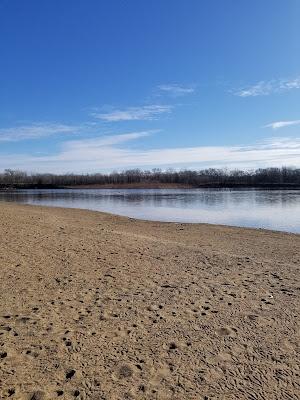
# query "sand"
(95, 306)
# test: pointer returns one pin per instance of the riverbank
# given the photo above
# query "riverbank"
(95, 306)
(154, 185)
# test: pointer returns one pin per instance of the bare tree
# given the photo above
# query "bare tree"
(209, 177)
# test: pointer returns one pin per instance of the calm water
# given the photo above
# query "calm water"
(271, 209)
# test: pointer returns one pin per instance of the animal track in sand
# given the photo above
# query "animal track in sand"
(173, 346)
(31, 353)
(11, 392)
(70, 373)
(3, 355)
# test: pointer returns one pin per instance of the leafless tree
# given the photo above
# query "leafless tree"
(208, 177)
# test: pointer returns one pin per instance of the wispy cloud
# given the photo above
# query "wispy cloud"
(176, 89)
(259, 89)
(104, 141)
(151, 112)
(35, 131)
(282, 124)
(115, 152)
(264, 88)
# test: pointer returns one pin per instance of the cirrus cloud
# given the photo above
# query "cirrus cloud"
(282, 124)
(35, 131)
(143, 113)
(176, 89)
(264, 88)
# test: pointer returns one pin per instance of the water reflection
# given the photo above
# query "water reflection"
(273, 209)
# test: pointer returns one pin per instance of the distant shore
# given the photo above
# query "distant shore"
(152, 185)
(93, 306)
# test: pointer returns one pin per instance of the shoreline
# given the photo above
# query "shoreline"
(95, 306)
(146, 221)
(143, 186)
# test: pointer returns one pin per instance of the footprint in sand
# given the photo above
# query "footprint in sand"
(38, 395)
(125, 371)
(225, 331)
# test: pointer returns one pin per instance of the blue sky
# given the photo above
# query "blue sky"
(91, 86)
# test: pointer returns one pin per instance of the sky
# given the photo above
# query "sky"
(96, 86)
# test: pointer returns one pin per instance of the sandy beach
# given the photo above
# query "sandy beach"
(95, 306)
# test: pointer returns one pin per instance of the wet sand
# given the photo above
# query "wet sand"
(95, 306)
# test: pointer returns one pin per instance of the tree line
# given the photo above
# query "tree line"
(195, 178)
